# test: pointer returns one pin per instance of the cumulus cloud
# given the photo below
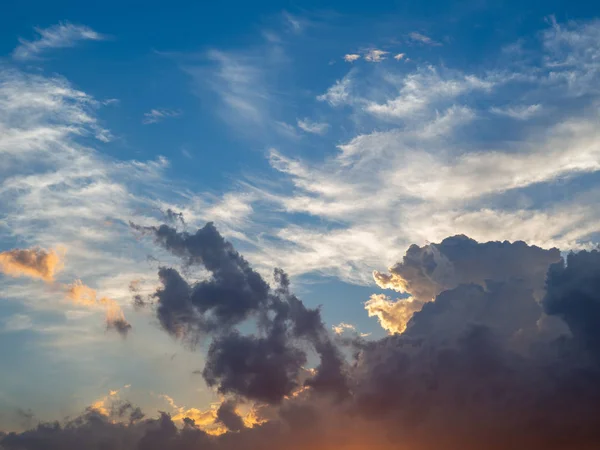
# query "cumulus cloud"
(425, 272)
(62, 35)
(351, 57)
(573, 293)
(158, 115)
(33, 263)
(454, 376)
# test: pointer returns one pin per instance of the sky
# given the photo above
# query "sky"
(158, 163)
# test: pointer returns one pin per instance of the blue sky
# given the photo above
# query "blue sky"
(321, 139)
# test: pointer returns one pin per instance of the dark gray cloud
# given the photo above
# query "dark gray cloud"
(265, 365)
(473, 370)
(227, 415)
(425, 272)
(573, 294)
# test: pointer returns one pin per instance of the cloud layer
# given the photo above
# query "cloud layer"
(473, 368)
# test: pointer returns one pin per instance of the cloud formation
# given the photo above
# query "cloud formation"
(33, 263)
(313, 127)
(44, 264)
(83, 295)
(62, 35)
(423, 39)
(158, 115)
(375, 55)
(472, 370)
(264, 366)
(425, 272)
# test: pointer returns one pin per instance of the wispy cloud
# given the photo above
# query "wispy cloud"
(419, 37)
(313, 127)
(440, 168)
(158, 115)
(518, 112)
(17, 322)
(295, 23)
(337, 94)
(62, 35)
(421, 89)
(375, 55)
(399, 56)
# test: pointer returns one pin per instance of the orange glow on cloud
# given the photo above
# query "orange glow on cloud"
(207, 419)
(82, 294)
(45, 264)
(33, 263)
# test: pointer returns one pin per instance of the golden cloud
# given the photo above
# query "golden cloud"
(32, 263)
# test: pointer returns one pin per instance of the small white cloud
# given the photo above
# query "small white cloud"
(293, 22)
(351, 57)
(343, 327)
(518, 112)
(422, 38)
(399, 56)
(158, 115)
(17, 322)
(313, 127)
(338, 94)
(62, 35)
(375, 55)
(340, 328)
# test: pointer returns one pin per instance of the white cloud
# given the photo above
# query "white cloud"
(351, 57)
(375, 55)
(421, 89)
(158, 115)
(399, 56)
(419, 37)
(518, 112)
(17, 322)
(62, 35)
(441, 169)
(338, 94)
(313, 127)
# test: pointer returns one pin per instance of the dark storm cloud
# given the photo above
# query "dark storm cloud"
(227, 415)
(427, 271)
(473, 370)
(234, 289)
(265, 365)
(573, 293)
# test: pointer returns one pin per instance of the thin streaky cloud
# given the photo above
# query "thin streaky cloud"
(399, 56)
(62, 35)
(17, 322)
(313, 127)
(158, 115)
(419, 37)
(518, 112)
